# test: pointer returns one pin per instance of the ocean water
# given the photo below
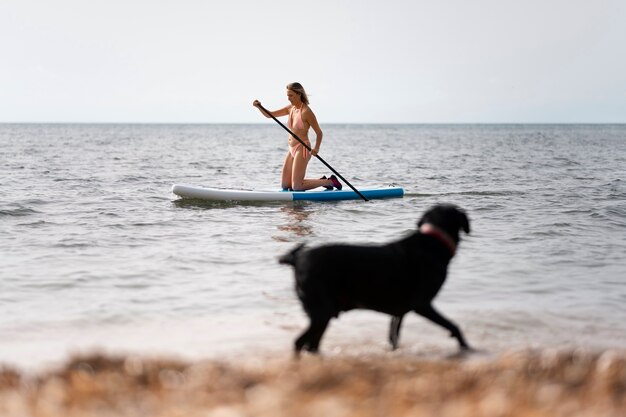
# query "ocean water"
(97, 254)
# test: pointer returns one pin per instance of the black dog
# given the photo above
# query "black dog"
(395, 278)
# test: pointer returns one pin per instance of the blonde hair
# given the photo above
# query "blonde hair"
(299, 90)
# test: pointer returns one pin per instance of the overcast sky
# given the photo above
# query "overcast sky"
(361, 61)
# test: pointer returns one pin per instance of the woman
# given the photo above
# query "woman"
(301, 118)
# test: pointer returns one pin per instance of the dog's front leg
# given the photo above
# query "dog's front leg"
(394, 331)
(433, 315)
(310, 339)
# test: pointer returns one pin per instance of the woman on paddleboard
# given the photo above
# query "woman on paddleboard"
(301, 118)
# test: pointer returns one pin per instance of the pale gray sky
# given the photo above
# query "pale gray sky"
(413, 61)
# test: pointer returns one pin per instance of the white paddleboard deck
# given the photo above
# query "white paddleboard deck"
(218, 194)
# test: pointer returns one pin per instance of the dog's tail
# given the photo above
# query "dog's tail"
(290, 257)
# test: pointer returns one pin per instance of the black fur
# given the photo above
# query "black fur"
(395, 278)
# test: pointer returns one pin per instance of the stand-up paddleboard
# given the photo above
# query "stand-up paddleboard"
(218, 194)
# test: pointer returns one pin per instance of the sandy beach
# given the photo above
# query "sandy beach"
(545, 382)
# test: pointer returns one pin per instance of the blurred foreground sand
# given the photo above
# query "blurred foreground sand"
(522, 383)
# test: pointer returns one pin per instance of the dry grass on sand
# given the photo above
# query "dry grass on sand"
(524, 383)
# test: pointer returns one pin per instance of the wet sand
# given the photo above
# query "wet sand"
(521, 383)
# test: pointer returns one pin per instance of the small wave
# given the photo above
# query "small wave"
(469, 193)
(37, 223)
(616, 215)
(546, 233)
(410, 194)
(567, 162)
(489, 193)
(617, 189)
(108, 214)
(581, 210)
(490, 207)
(73, 245)
(50, 285)
(616, 211)
(18, 212)
(133, 286)
(144, 224)
(133, 178)
(562, 225)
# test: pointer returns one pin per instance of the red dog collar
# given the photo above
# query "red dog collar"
(429, 229)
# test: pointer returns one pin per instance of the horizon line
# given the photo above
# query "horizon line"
(328, 123)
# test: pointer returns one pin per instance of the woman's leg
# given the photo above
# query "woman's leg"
(299, 170)
(285, 181)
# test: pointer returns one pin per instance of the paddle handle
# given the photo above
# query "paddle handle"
(309, 149)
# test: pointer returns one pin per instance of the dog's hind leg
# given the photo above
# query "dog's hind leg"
(301, 341)
(318, 327)
(310, 338)
(433, 315)
(394, 331)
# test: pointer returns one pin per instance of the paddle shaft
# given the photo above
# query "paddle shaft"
(310, 150)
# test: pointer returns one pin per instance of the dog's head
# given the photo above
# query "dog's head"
(448, 218)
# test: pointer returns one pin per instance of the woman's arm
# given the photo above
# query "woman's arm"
(309, 117)
(276, 113)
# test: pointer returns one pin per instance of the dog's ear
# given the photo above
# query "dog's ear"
(464, 221)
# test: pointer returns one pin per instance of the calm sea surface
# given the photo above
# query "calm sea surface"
(96, 253)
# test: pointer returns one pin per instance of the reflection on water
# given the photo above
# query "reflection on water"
(296, 223)
(195, 203)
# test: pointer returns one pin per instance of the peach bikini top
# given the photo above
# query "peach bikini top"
(295, 121)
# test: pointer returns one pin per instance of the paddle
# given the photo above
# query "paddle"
(309, 149)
